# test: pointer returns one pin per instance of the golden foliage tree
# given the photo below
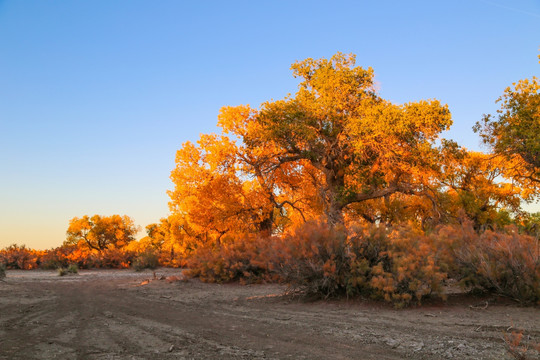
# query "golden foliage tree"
(101, 232)
(473, 186)
(357, 145)
(169, 238)
(223, 186)
(336, 149)
(514, 133)
(333, 144)
(210, 195)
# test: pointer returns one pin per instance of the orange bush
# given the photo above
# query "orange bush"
(111, 259)
(397, 265)
(505, 262)
(19, 257)
(312, 259)
(242, 257)
(404, 267)
(149, 253)
(85, 258)
(520, 348)
(57, 258)
(145, 260)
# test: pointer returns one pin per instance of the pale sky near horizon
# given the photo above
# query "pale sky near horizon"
(96, 96)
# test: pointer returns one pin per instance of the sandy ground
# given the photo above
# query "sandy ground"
(108, 314)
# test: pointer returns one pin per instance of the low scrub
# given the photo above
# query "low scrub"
(72, 269)
(400, 264)
(504, 262)
(396, 265)
(242, 257)
(520, 347)
(146, 260)
(313, 259)
(110, 258)
(19, 257)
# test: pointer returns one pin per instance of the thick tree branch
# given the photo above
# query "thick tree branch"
(374, 194)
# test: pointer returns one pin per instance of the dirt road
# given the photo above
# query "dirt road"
(108, 314)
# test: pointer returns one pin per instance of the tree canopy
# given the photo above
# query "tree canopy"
(515, 132)
(362, 146)
(101, 232)
(336, 142)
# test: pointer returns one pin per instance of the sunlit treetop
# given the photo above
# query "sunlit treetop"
(514, 133)
(363, 146)
(101, 232)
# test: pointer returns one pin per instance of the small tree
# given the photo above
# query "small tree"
(101, 232)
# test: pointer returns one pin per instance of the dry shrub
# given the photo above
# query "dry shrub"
(59, 257)
(114, 258)
(72, 269)
(520, 347)
(85, 258)
(19, 257)
(313, 259)
(504, 262)
(447, 241)
(62, 271)
(397, 265)
(241, 257)
(402, 264)
(146, 260)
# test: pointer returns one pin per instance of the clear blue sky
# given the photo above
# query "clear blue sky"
(96, 96)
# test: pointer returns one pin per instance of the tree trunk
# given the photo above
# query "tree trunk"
(334, 216)
(266, 226)
(333, 207)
